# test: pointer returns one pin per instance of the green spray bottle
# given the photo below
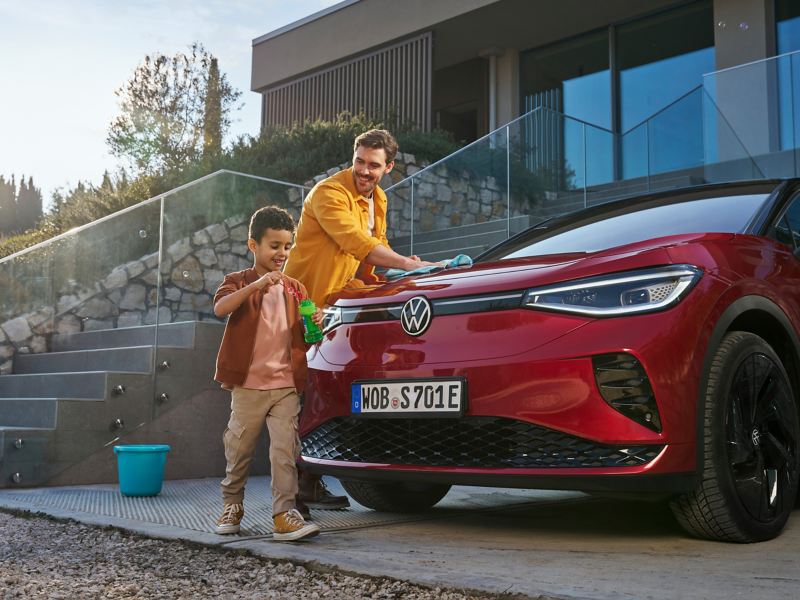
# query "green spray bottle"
(311, 331)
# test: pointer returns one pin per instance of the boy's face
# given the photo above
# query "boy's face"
(272, 251)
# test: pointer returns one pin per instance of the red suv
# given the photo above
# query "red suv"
(648, 346)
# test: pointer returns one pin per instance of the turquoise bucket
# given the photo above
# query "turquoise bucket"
(141, 469)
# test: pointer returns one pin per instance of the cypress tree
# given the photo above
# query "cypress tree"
(29, 205)
(21, 206)
(36, 203)
(212, 113)
(8, 216)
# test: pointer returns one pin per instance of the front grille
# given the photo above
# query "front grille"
(461, 305)
(465, 442)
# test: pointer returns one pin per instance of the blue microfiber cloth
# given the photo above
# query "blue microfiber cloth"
(462, 260)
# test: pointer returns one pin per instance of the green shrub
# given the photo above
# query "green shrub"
(292, 154)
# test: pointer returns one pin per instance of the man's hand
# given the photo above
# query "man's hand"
(268, 280)
(318, 316)
(414, 262)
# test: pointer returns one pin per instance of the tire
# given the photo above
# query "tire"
(751, 436)
(395, 496)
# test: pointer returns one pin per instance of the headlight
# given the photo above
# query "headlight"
(332, 318)
(616, 294)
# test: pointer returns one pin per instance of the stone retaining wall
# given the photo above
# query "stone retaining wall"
(192, 269)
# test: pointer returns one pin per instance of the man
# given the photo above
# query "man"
(342, 232)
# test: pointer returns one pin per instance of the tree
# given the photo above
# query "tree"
(8, 207)
(172, 109)
(29, 205)
(212, 113)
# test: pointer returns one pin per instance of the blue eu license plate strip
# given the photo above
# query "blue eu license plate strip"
(409, 397)
(355, 396)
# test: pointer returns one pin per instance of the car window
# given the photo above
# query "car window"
(727, 214)
(787, 229)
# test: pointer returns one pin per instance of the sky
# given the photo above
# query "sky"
(61, 61)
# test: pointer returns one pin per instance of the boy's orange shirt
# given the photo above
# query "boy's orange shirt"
(238, 342)
(332, 238)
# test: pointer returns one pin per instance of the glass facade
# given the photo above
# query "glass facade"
(571, 77)
(657, 62)
(661, 58)
(787, 17)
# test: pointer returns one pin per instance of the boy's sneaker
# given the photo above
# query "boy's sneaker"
(315, 494)
(290, 526)
(231, 517)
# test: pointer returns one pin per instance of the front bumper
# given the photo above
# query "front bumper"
(535, 419)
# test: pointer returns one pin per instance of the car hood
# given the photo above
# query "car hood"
(520, 273)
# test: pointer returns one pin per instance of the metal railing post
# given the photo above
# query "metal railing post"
(411, 244)
(647, 146)
(585, 166)
(508, 182)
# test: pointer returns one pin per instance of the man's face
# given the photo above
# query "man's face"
(369, 165)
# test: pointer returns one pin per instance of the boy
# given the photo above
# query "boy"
(262, 361)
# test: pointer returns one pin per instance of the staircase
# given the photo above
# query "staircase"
(61, 412)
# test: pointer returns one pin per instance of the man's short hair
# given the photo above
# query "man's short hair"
(377, 139)
(269, 217)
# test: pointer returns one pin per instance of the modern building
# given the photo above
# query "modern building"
(469, 66)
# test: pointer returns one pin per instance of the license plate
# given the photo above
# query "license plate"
(410, 397)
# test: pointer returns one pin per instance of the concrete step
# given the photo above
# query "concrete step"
(64, 406)
(9, 436)
(447, 243)
(173, 334)
(185, 335)
(89, 384)
(136, 359)
(33, 455)
(34, 412)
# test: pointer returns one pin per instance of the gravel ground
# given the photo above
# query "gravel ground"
(43, 558)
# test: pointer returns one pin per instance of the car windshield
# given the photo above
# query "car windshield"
(577, 233)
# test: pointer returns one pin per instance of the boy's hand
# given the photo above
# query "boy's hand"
(268, 280)
(318, 316)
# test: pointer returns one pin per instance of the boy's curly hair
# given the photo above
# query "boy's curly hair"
(269, 217)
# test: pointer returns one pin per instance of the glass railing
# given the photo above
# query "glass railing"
(533, 168)
(669, 141)
(679, 147)
(758, 104)
(100, 329)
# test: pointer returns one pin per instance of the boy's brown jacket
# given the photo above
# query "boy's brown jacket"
(238, 341)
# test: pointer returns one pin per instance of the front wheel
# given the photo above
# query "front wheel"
(750, 446)
(395, 496)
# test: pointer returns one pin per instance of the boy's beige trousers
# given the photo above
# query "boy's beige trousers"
(250, 410)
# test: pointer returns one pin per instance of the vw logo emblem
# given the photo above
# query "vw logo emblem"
(416, 315)
(756, 437)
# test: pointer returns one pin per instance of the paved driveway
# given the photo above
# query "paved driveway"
(563, 545)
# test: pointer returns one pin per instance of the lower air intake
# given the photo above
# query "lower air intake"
(485, 442)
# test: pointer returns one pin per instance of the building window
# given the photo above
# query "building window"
(787, 16)
(573, 78)
(570, 77)
(658, 61)
(662, 58)
(787, 25)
